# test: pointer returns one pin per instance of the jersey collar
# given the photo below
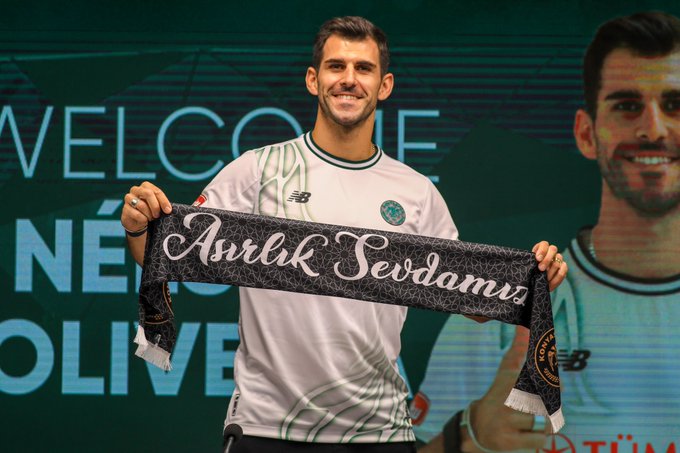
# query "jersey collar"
(339, 162)
(626, 283)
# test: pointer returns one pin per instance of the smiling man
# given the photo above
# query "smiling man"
(319, 373)
(632, 128)
(347, 89)
(631, 139)
(616, 314)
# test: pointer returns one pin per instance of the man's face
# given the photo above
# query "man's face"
(348, 83)
(637, 130)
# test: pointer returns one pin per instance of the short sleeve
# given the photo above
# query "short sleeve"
(235, 187)
(435, 220)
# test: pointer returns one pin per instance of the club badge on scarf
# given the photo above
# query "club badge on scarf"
(215, 246)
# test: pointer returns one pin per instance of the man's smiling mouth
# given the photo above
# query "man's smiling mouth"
(650, 160)
(646, 154)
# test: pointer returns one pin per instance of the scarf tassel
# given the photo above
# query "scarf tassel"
(151, 352)
(530, 403)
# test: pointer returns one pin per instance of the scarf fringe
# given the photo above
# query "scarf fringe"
(151, 352)
(557, 420)
(532, 404)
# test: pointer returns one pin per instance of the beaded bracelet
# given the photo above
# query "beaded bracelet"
(135, 234)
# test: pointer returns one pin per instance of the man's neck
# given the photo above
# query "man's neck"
(637, 245)
(352, 144)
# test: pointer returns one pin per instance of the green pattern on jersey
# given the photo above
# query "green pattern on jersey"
(318, 409)
(282, 170)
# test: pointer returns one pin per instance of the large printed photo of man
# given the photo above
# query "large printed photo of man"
(615, 314)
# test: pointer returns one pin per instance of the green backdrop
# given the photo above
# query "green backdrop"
(97, 97)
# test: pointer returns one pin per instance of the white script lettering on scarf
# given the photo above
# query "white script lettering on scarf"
(248, 251)
(424, 275)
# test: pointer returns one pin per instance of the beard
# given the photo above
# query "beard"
(348, 123)
(648, 198)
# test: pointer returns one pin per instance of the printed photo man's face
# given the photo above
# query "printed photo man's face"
(637, 130)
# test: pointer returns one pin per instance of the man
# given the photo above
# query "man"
(310, 368)
(615, 315)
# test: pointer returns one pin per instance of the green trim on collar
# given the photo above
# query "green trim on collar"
(339, 162)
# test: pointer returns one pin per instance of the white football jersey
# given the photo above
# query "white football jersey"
(317, 368)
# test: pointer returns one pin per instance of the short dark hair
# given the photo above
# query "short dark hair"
(648, 34)
(354, 28)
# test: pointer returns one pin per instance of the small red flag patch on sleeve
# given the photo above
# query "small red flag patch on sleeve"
(200, 200)
(419, 408)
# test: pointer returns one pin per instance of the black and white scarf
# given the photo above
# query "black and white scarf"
(215, 246)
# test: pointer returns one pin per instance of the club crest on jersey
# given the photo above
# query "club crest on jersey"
(392, 212)
(545, 357)
(200, 200)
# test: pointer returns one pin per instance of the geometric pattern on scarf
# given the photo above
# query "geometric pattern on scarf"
(215, 246)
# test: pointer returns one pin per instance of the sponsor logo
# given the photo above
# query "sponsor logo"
(575, 360)
(200, 200)
(545, 356)
(299, 197)
(558, 443)
(392, 212)
(419, 408)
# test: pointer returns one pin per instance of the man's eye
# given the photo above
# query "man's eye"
(671, 105)
(628, 106)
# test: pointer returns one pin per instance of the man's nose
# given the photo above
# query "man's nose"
(652, 126)
(349, 76)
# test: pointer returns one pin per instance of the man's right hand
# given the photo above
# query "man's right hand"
(496, 426)
(142, 204)
(151, 200)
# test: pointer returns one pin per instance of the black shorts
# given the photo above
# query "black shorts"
(252, 444)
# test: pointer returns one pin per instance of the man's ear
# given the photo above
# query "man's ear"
(584, 133)
(386, 86)
(311, 81)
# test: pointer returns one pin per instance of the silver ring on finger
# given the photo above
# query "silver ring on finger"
(539, 423)
(134, 202)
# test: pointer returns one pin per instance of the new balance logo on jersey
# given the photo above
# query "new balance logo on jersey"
(299, 197)
(577, 360)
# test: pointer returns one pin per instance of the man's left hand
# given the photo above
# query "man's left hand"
(551, 261)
